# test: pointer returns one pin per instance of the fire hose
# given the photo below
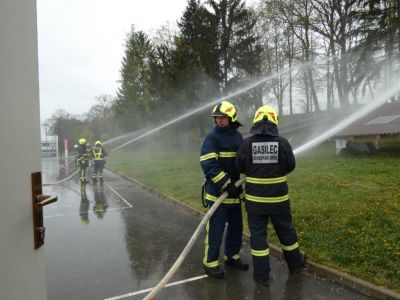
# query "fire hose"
(189, 245)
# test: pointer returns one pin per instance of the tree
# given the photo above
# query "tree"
(236, 40)
(134, 101)
(376, 31)
(64, 126)
(100, 118)
(298, 15)
(277, 52)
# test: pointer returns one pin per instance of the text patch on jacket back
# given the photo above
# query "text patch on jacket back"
(265, 152)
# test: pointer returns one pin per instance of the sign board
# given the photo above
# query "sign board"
(341, 144)
(49, 147)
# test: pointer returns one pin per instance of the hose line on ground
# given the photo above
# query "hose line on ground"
(189, 245)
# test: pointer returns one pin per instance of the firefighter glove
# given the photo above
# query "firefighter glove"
(232, 190)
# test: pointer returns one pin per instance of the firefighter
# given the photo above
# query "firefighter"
(98, 154)
(83, 159)
(217, 160)
(266, 158)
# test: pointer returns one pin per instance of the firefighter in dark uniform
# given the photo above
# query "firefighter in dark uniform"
(98, 155)
(83, 159)
(217, 160)
(266, 158)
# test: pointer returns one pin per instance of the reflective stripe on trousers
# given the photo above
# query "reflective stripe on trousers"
(231, 214)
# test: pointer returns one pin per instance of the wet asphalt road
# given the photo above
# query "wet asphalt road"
(115, 241)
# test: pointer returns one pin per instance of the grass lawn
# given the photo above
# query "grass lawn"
(346, 208)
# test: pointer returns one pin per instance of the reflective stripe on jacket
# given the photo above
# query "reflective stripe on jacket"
(98, 153)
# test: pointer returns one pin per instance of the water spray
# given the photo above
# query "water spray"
(188, 114)
(387, 94)
(209, 104)
(215, 101)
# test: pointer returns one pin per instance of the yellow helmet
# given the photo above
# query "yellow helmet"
(268, 113)
(97, 143)
(82, 141)
(225, 108)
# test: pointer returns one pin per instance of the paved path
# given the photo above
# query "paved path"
(117, 240)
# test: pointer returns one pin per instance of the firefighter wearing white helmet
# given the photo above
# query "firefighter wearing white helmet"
(83, 160)
(217, 160)
(98, 155)
(266, 158)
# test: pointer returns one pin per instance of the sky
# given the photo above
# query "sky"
(81, 46)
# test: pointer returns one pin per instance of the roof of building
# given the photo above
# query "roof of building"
(385, 120)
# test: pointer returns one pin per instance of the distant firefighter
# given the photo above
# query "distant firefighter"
(83, 159)
(98, 155)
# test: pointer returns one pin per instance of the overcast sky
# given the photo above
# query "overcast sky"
(81, 44)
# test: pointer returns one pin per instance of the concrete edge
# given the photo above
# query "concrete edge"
(319, 270)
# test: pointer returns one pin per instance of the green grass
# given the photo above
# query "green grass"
(346, 208)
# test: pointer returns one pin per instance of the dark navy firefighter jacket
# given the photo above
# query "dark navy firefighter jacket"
(217, 159)
(266, 158)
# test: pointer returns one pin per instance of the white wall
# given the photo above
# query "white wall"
(22, 272)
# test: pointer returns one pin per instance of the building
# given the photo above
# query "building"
(367, 132)
(22, 264)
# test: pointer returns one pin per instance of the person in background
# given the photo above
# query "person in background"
(266, 158)
(83, 159)
(98, 155)
(217, 160)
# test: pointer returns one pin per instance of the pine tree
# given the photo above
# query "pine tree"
(134, 100)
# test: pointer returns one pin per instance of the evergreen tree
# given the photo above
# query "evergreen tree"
(236, 41)
(134, 100)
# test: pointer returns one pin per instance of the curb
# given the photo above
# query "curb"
(319, 270)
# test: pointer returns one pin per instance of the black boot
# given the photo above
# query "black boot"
(301, 267)
(261, 281)
(237, 264)
(215, 272)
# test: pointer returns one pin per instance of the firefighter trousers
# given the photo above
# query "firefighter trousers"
(225, 213)
(83, 164)
(259, 246)
(98, 166)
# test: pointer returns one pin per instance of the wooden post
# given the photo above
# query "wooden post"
(376, 141)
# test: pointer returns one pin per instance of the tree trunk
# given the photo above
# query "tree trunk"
(306, 86)
(312, 89)
(398, 22)
(290, 88)
(328, 84)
